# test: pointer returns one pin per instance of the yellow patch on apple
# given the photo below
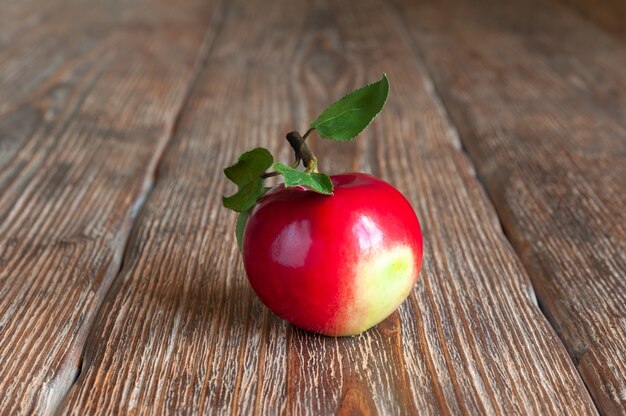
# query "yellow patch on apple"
(382, 282)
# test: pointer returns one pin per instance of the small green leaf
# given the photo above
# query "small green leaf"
(347, 117)
(246, 174)
(242, 218)
(317, 182)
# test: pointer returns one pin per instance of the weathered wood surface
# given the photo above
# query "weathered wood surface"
(610, 15)
(539, 99)
(88, 97)
(181, 330)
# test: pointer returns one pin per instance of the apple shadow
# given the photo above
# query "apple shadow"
(213, 302)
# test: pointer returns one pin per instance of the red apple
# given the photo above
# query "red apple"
(335, 265)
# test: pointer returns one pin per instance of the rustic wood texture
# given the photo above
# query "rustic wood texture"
(181, 330)
(610, 15)
(88, 97)
(538, 97)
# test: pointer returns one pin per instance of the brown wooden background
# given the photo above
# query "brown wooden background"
(121, 287)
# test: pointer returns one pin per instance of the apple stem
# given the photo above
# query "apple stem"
(269, 174)
(301, 149)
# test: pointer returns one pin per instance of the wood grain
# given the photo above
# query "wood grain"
(610, 15)
(538, 92)
(181, 330)
(88, 98)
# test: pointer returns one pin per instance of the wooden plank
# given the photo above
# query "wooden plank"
(537, 93)
(608, 14)
(88, 98)
(18, 17)
(182, 330)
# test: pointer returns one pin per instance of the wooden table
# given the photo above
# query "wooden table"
(121, 286)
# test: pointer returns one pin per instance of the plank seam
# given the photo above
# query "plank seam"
(122, 243)
(457, 138)
(590, 20)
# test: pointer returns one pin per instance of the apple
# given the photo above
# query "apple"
(333, 264)
(333, 255)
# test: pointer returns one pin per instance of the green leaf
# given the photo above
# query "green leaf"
(347, 117)
(242, 218)
(246, 174)
(317, 182)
